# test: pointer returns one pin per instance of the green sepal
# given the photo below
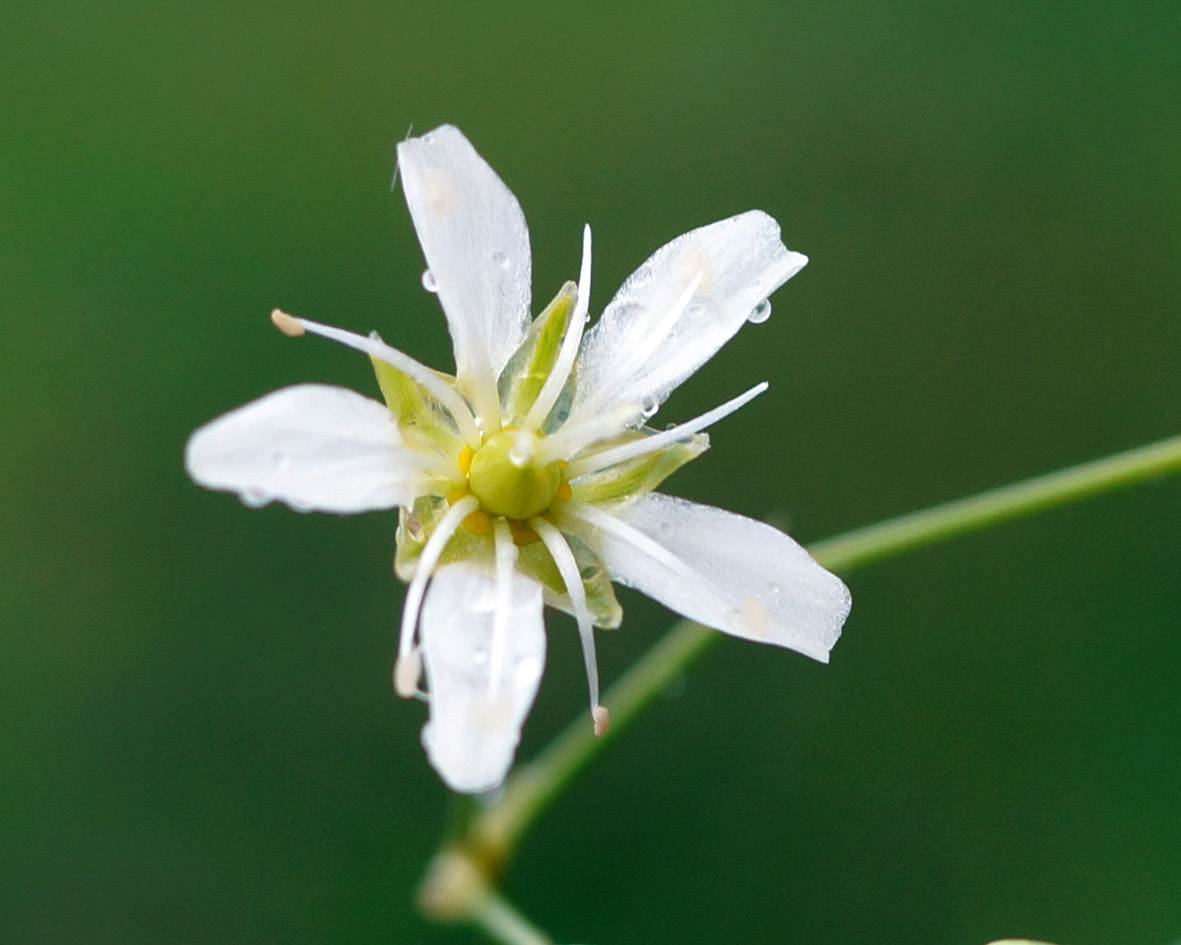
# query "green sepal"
(415, 528)
(422, 420)
(535, 561)
(639, 476)
(523, 376)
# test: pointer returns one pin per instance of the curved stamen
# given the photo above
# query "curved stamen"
(560, 372)
(506, 558)
(573, 438)
(405, 669)
(605, 521)
(637, 356)
(568, 568)
(657, 441)
(293, 327)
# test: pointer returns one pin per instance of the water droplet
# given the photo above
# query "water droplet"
(775, 590)
(648, 406)
(500, 260)
(760, 313)
(428, 281)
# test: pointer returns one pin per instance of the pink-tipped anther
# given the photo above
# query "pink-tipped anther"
(288, 324)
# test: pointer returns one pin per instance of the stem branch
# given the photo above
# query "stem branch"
(496, 831)
(460, 884)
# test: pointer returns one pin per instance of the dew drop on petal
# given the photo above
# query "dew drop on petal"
(428, 281)
(500, 260)
(760, 313)
(648, 406)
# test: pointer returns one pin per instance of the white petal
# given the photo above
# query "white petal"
(641, 349)
(311, 446)
(728, 572)
(476, 244)
(475, 721)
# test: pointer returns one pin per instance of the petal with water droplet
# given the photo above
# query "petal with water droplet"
(476, 244)
(637, 350)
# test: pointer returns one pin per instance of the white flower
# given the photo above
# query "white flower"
(527, 478)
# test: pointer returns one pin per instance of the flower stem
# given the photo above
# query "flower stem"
(938, 523)
(494, 833)
(503, 923)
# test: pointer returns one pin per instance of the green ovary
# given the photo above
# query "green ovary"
(507, 481)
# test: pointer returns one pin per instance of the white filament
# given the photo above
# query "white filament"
(637, 356)
(619, 454)
(605, 521)
(431, 552)
(552, 388)
(575, 437)
(506, 559)
(445, 394)
(568, 569)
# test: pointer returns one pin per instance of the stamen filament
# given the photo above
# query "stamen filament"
(605, 521)
(560, 372)
(431, 552)
(568, 568)
(293, 326)
(506, 558)
(637, 356)
(619, 454)
(575, 437)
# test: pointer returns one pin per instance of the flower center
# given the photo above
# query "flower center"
(506, 479)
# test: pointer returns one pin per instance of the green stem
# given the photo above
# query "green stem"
(493, 834)
(897, 535)
(502, 922)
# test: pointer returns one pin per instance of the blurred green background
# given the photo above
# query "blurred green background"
(200, 739)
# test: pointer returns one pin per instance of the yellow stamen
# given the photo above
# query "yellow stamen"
(465, 459)
(478, 523)
(523, 534)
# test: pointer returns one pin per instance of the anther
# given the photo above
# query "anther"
(288, 324)
(407, 670)
(602, 719)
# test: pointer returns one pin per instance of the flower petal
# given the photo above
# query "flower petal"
(476, 244)
(311, 446)
(726, 571)
(641, 349)
(475, 721)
